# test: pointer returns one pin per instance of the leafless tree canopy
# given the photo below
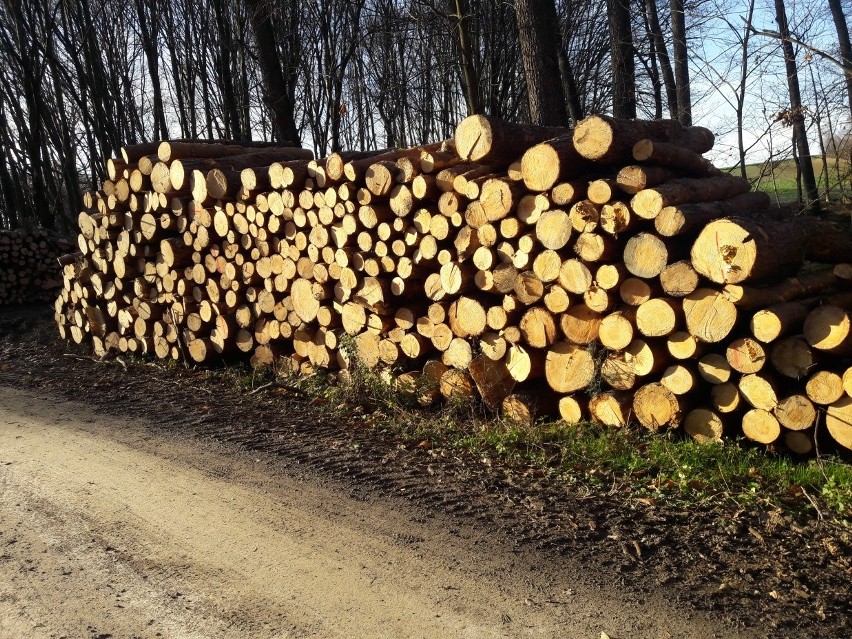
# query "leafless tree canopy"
(80, 78)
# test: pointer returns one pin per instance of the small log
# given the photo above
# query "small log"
(466, 317)
(679, 279)
(703, 425)
(580, 324)
(828, 328)
(645, 255)
(687, 219)
(571, 410)
(679, 379)
(745, 355)
(633, 178)
(616, 331)
(725, 397)
(778, 320)
(824, 387)
(683, 345)
(618, 371)
(838, 421)
(761, 426)
(492, 380)
(553, 229)
(568, 368)
(457, 386)
(678, 157)
(795, 412)
(656, 407)
(610, 409)
(758, 391)
(714, 368)
(658, 317)
(751, 297)
(792, 357)
(616, 217)
(799, 442)
(709, 315)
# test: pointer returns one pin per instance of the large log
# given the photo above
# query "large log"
(481, 138)
(677, 156)
(556, 160)
(169, 151)
(735, 249)
(648, 203)
(687, 219)
(609, 140)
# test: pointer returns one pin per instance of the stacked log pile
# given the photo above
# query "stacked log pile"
(28, 269)
(610, 272)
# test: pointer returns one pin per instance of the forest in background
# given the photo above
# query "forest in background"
(81, 78)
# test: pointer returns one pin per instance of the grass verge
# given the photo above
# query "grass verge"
(653, 468)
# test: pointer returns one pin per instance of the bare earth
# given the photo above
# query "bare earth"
(142, 500)
(109, 531)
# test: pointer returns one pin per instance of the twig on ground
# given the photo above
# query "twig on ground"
(813, 503)
(298, 391)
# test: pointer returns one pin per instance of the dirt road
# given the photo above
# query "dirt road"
(107, 530)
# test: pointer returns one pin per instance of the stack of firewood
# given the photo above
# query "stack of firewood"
(610, 272)
(28, 269)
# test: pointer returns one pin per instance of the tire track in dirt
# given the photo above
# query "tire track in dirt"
(162, 536)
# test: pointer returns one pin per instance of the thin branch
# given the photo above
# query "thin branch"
(846, 68)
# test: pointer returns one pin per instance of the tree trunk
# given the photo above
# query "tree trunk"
(797, 116)
(681, 63)
(150, 36)
(656, 33)
(278, 93)
(470, 79)
(623, 65)
(538, 31)
(844, 44)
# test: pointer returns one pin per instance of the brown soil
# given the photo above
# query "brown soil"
(632, 569)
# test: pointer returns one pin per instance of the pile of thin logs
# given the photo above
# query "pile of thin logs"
(28, 269)
(609, 272)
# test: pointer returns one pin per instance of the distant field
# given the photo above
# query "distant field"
(779, 178)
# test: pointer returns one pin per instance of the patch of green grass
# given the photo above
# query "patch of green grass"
(670, 467)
